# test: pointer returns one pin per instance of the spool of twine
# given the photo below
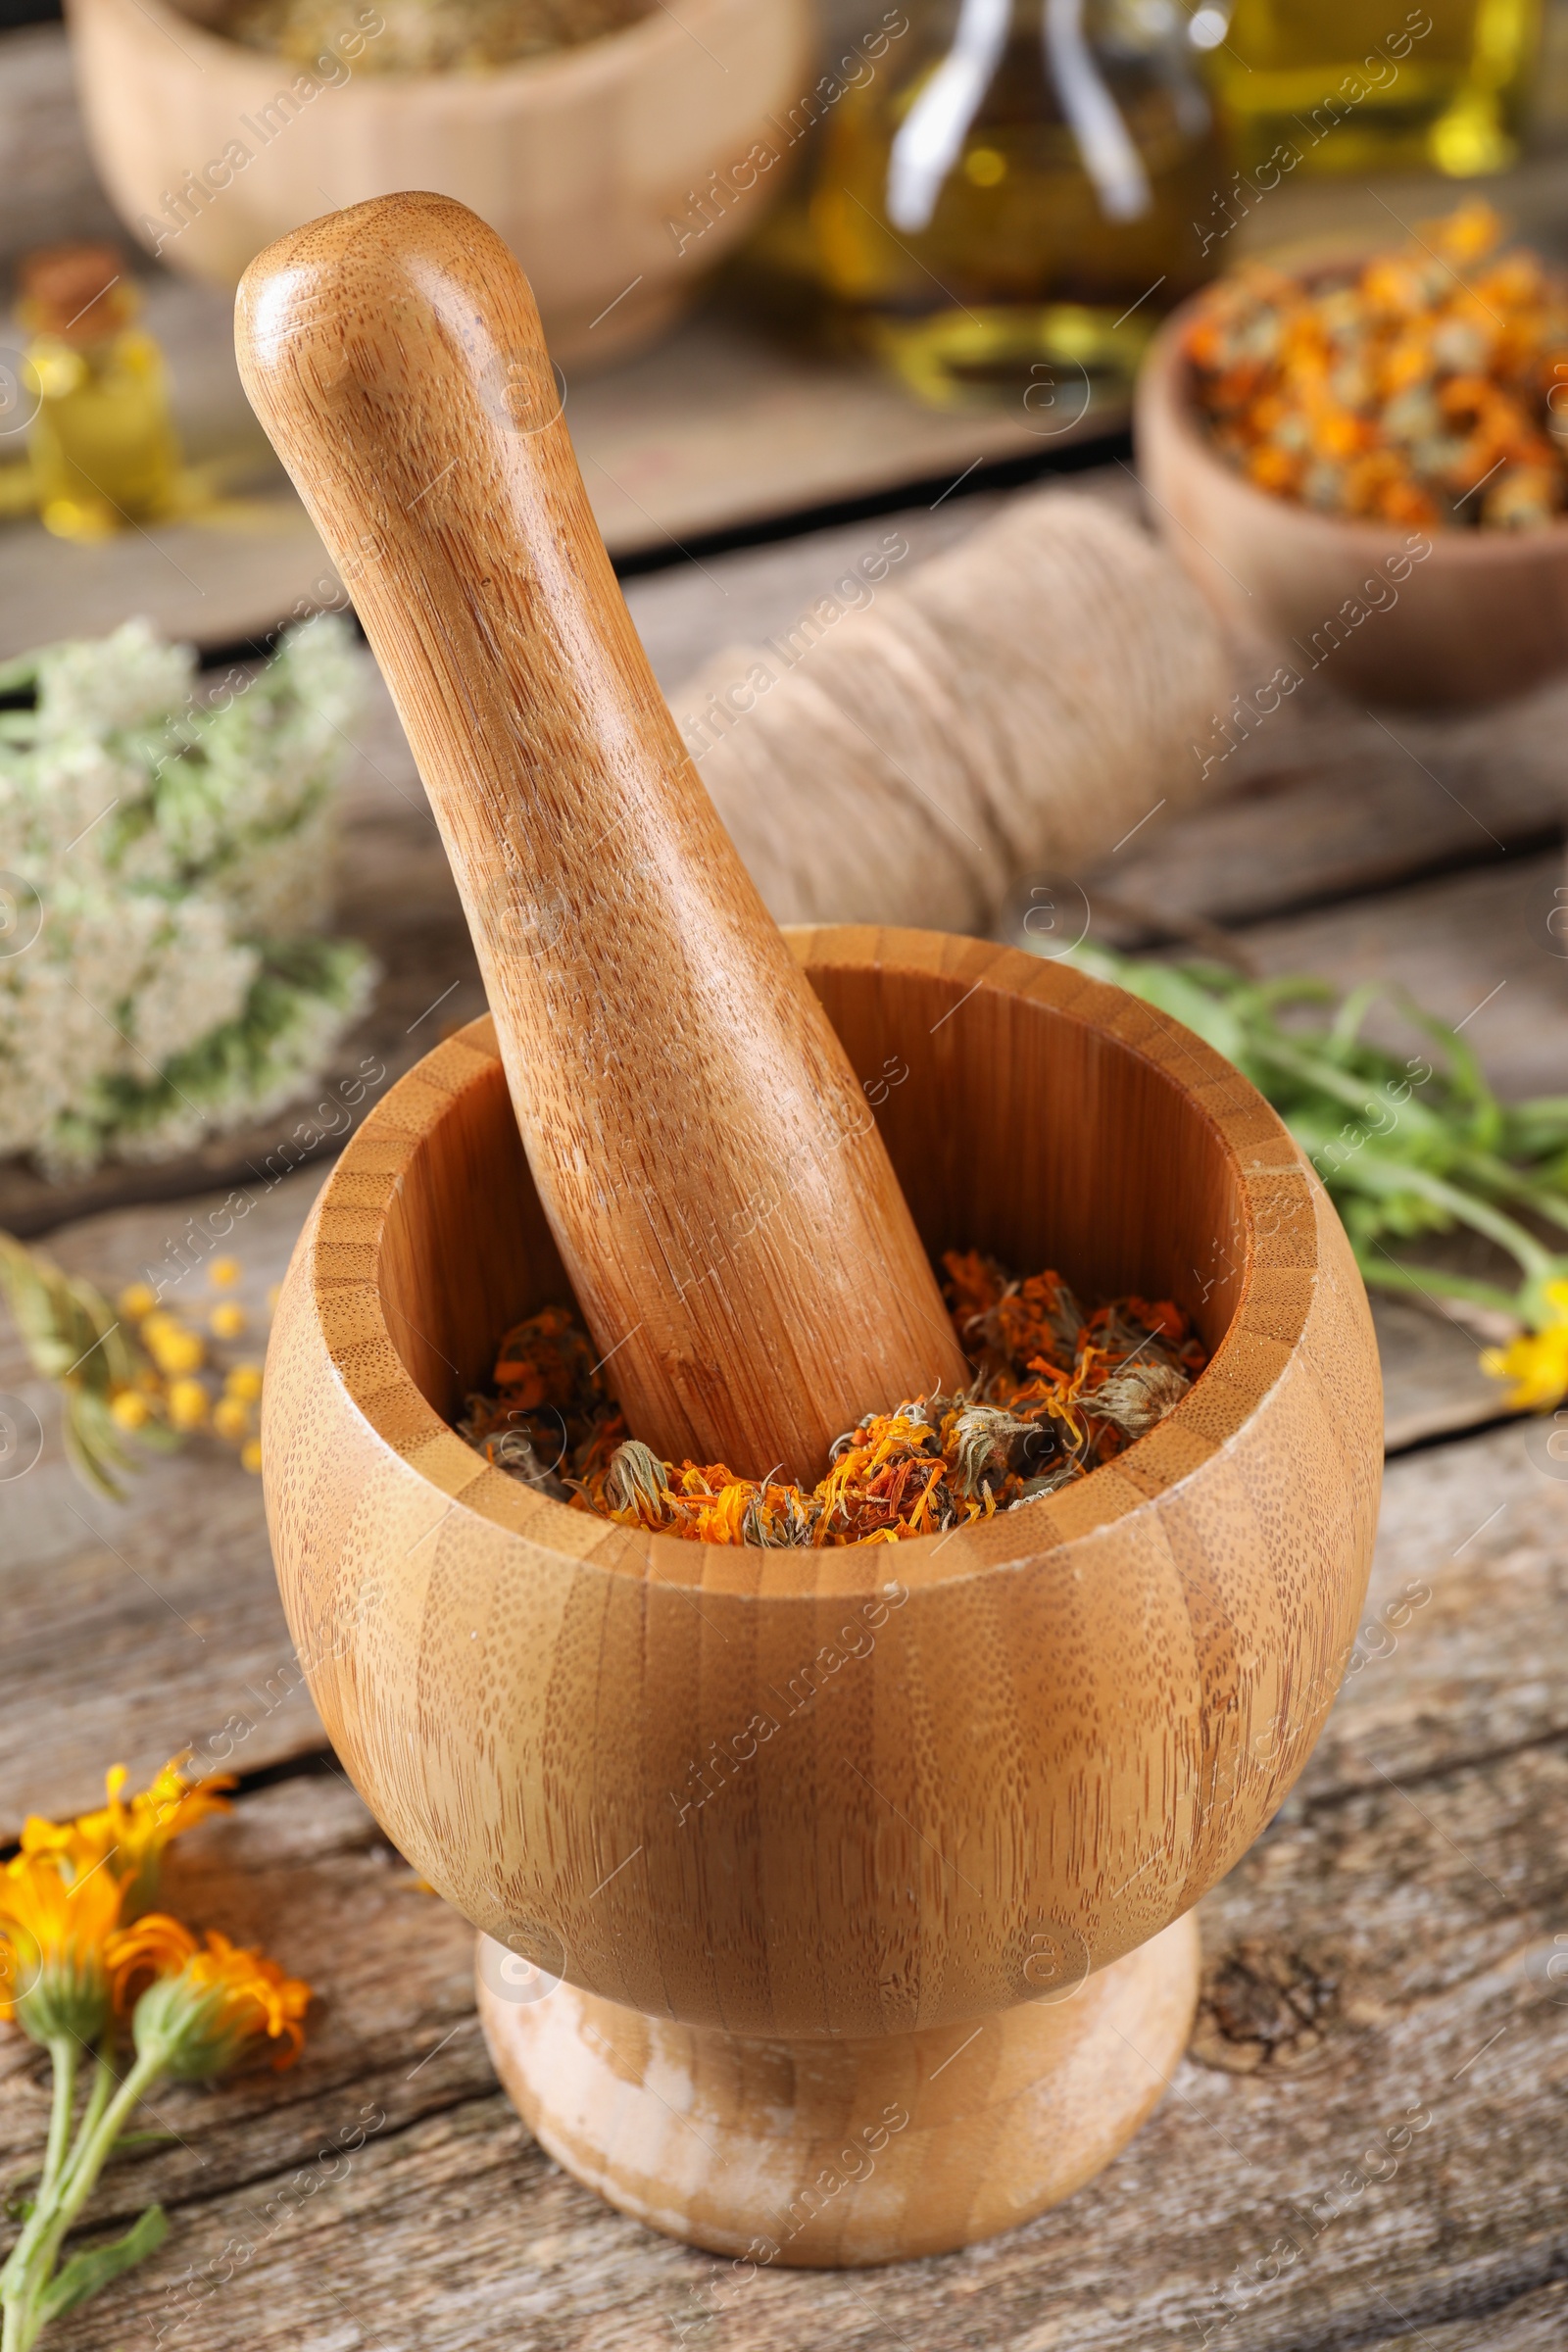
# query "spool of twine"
(1013, 707)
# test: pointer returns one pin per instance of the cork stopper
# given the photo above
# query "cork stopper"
(81, 293)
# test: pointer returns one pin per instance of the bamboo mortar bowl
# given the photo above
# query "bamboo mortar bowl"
(587, 160)
(836, 1907)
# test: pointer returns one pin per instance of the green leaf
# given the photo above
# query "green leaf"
(84, 2274)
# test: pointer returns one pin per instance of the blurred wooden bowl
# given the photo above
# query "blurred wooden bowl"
(836, 1903)
(1478, 616)
(582, 159)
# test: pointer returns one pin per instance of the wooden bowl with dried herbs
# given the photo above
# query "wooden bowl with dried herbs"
(620, 147)
(1367, 462)
(776, 1797)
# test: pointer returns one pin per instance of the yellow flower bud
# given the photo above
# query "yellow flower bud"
(245, 1383)
(129, 1409)
(230, 1417)
(228, 1320)
(187, 1403)
(223, 1273)
(174, 1346)
(136, 1300)
(250, 1456)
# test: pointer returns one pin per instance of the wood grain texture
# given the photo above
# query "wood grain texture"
(577, 159)
(846, 2154)
(710, 1168)
(1063, 1725)
(1481, 616)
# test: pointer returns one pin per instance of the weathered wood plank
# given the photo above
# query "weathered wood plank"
(1391, 2177)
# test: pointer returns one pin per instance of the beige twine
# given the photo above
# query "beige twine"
(1013, 707)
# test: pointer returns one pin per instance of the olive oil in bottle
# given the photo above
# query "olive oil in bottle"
(1007, 206)
(101, 443)
(1344, 88)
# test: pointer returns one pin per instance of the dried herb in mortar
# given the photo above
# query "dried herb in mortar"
(1057, 1392)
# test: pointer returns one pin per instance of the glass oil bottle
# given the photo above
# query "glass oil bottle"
(1007, 208)
(101, 444)
(1342, 87)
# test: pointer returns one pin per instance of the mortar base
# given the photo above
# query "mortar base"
(840, 2153)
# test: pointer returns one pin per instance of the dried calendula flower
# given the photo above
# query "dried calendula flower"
(1056, 1392)
(1421, 389)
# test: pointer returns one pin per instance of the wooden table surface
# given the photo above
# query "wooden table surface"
(1363, 2145)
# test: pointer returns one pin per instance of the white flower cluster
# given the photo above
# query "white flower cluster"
(166, 860)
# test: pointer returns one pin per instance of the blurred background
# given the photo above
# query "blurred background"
(702, 198)
(819, 280)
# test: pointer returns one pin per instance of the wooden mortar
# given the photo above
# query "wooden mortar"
(835, 1905)
(954, 1881)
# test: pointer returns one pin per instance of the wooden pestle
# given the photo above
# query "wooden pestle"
(720, 1196)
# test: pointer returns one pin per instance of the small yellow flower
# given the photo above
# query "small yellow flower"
(245, 1383)
(54, 1927)
(1536, 1363)
(273, 1295)
(228, 1320)
(173, 1347)
(187, 1403)
(250, 1456)
(203, 2010)
(230, 1417)
(129, 1409)
(223, 1273)
(137, 1301)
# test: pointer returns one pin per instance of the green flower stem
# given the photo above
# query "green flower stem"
(63, 2057)
(102, 2090)
(1433, 1282)
(14, 2279)
(1370, 1173)
(33, 2257)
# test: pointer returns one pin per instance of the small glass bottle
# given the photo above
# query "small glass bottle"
(102, 443)
(1333, 86)
(1014, 188)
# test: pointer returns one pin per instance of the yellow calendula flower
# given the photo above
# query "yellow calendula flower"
(231, 1418)
(53, 1932)
(189, 1404)
(173, 1346)
(1536, 1363)
(125, 1842)
(129, 1409)
(201, 2007)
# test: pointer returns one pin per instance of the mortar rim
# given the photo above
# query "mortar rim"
(1263, 1156)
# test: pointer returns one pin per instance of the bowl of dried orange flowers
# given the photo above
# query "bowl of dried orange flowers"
(1367, 462)
(771, 1798)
